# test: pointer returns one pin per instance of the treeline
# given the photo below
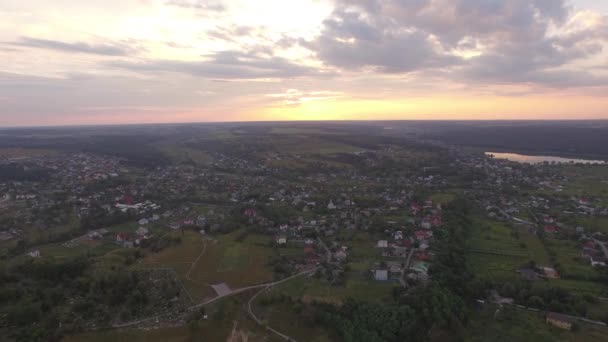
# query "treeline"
(435, 312)
(45, 299)
(555, 139)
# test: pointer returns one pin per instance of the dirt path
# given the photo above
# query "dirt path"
(196, 260)
(259, 321)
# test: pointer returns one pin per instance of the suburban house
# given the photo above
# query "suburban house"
(121, 237)
(381, 275)
(142, 231)
(550, 229)
(550, 273)
(559, 320)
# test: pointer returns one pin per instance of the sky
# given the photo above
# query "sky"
(73, 62)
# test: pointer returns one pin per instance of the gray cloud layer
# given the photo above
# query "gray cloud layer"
(513, 38)
(108, 49)
(226, 65)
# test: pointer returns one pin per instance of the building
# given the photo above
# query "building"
(381, 275)
(121, 237)
(559, 320)
(382, 244)
(142, 231)
(331, 205)
(550, 273)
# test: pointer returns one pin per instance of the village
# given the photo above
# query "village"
(338, 232)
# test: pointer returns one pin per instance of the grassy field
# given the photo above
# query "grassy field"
(513, 247)
(16, 152)
(301, 130)
(443, 198)
(492, 236)
(586, 180)
(568, 254)
(225, 260)
(226, 320)
(236, 263)
(180, 258)
(521, 325)
(357, 286)
(289, 320)
(180, 154)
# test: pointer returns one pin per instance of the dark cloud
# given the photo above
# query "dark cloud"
(352, 40)
(198, 5)
(516, 40)
(104, 49)
(226, 65)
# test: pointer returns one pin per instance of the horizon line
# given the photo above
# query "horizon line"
(290, 121)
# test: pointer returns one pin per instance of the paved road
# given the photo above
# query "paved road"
(234, 292)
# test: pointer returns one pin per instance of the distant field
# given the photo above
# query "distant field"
(443, 198)
(180, 154)
(9, 152)
(521, 325)
(301, 130)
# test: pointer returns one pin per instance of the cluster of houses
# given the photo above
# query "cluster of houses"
(409, 253)
(595, 252)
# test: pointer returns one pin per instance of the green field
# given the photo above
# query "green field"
(521, 325)
(225, 260)
(235, 257)
(289, 318)
(497, 250)
(226, 319)
(357, 286)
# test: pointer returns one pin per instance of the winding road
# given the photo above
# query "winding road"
(215, 299)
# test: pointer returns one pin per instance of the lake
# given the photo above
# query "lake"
(522, 158)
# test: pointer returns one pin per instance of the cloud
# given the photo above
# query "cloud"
(227, 65)
(352, 40)
(105, 49)
(521, 41)
(198, 5)
(294, 97)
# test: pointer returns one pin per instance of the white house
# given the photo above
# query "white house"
(142, 231)
(381, 275)
(331, 205)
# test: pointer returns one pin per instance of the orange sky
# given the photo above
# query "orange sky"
(133, 61)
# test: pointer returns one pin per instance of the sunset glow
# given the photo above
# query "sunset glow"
(134, 61)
